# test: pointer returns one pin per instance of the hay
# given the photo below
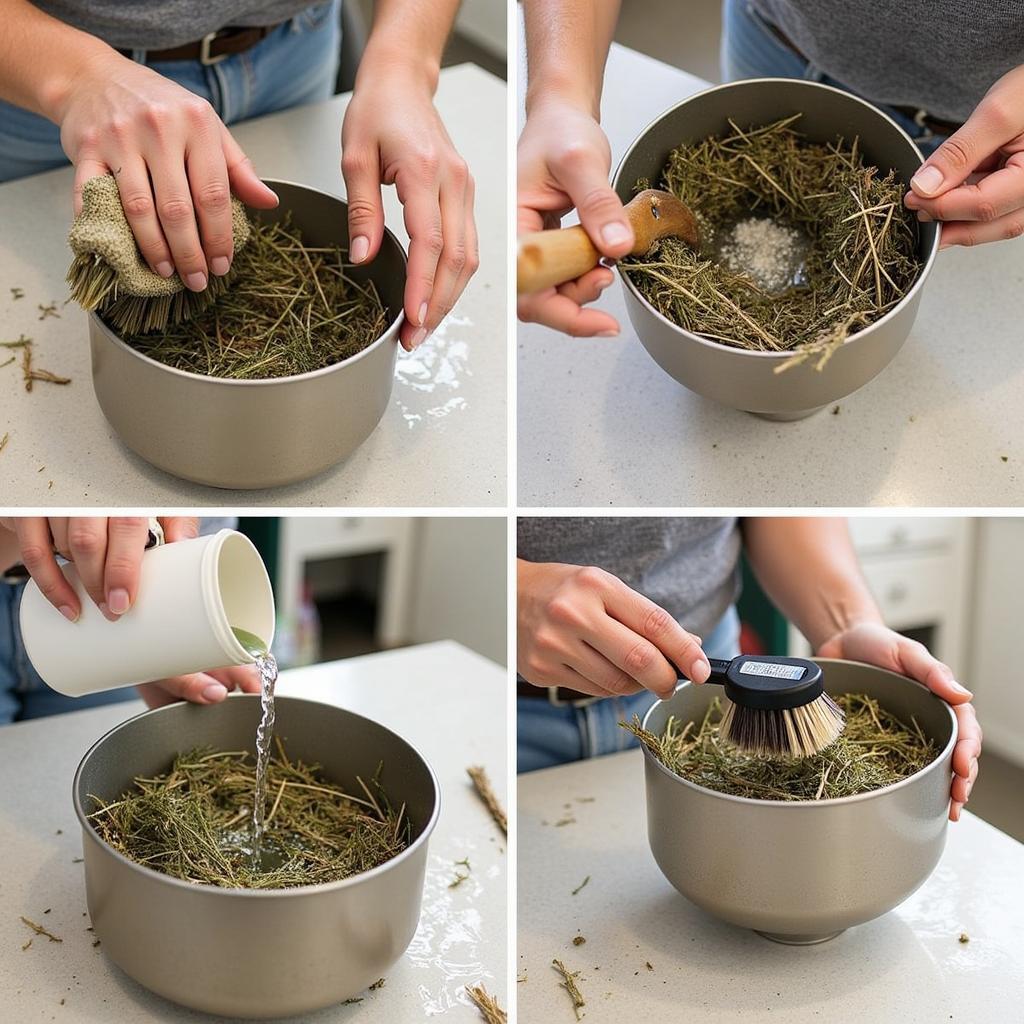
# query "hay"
(860, 262)
(193, 823)
(876, 749)
(291, 309)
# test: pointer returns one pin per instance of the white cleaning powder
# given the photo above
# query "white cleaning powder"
(769, 253)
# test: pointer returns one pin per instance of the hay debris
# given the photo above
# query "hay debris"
(861, 256)
(876, 749)
(193, 823)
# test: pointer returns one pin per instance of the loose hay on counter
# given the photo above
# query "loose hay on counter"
(193, 823)
(861, 256)
(875, 749)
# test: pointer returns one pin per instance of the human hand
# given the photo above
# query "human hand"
(563, 162)
(583, 628)
(106, 552)
(201, 687)
(875, 644)
(974, 181)
(393, 134)
(175, 163)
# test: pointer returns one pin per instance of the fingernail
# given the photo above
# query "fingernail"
(927, 180)
(924, 218)
(419, 337)
(107, 613)
(360, 247)
(196, 281)
(701, 671)
(117, 601)
(164, 269)
(608, 334)
(220, 265)
(615, 234)
(214, 692)
(960, 689)
(68, 612)
(422, 319)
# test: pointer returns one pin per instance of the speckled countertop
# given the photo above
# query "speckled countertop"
(441, 442)
(905, 966)
(462, 936)
(943, 425)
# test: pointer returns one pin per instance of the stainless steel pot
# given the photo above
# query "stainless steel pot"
(802, 872)
(252, 953)
(257, 433)
(736, 377)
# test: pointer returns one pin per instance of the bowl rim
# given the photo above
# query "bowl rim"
(939, 758)
(732, 350)
(114, 338)
(296, 890)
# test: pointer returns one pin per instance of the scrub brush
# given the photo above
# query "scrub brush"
(776, 707)
(109, 275)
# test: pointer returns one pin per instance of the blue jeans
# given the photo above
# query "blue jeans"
(297, 63)
(549, 735)
(750, 50)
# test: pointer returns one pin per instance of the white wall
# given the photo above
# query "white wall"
(458, 590)
(997, 675)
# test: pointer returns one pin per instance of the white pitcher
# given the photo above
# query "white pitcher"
(191, 594)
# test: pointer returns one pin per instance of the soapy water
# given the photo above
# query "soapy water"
(267, 667)
(437, 368)
(448, 941)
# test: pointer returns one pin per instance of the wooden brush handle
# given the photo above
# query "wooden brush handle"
(549, 258)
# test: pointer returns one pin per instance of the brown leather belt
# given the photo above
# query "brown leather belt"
(211, 49)
(557, 695)
(932, 125)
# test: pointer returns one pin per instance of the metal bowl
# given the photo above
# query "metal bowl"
(802, 872)
(737, 377)
(257, 433)
(255, 953)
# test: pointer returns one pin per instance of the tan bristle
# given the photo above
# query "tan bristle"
(794, 732)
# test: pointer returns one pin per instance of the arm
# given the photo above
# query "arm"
(809, 569)
(174, 161)
(564, 158)
(393, 135)
(974, 181)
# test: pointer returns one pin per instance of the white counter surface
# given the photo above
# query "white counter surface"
(442, 440)
(906, 966)
(447, 701)
(601, 424)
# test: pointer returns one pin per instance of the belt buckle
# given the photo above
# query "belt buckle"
(556, 702)
(204, 51)
(919, 119)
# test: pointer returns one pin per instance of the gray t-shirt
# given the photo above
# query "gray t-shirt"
(938, 55)
(162, 24)
(687, 565)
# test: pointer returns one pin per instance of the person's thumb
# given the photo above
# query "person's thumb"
(949, 166)
(586, 182)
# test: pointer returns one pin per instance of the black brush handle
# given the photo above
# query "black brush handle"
(767, 682)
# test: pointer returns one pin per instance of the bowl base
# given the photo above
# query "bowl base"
(787, 417)
(799, 940)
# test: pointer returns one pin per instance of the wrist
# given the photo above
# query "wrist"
(93, 60)
(558, 89)
(387, 64)
(843, 620)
